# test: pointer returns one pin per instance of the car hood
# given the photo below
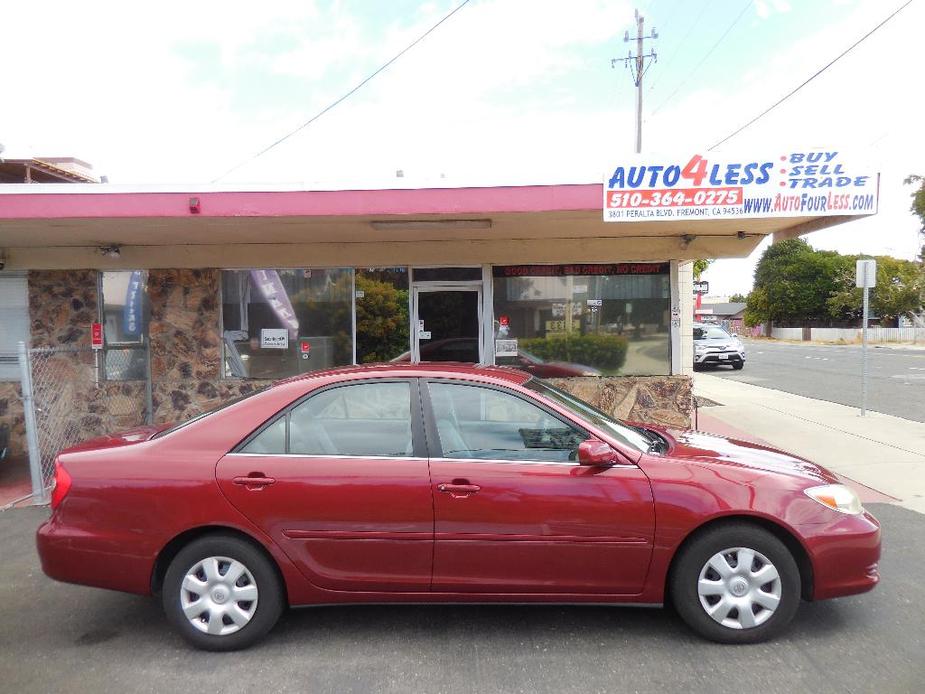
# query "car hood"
(122, 438)
(719, 450)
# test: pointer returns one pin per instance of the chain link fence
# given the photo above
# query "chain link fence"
(71, 394)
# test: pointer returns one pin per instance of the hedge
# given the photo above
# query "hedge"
(600, 351)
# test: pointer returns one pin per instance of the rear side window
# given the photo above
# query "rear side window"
(366, 419)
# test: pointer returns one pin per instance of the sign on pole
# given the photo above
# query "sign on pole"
(866, 271)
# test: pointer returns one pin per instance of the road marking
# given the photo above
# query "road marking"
(908, 376)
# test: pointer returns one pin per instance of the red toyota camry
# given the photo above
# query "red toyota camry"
(448, 483)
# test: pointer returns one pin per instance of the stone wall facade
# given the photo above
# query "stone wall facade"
(11, 414)
(186, 360)
(666, 400)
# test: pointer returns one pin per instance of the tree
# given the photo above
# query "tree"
(900, 284)
(793, 282)
(700, 267)
(918, 205)
(737, 299)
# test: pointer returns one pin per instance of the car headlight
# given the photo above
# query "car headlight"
(699, 349)
(837, 497)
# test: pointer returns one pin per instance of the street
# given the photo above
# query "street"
(896, 381)
(58, 637)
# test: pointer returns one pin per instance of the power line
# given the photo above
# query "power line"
(705, 57)
(814, 76)
(677, 50)
(345, 96)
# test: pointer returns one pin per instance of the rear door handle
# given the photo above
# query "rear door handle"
(254, 481)
(458, 491)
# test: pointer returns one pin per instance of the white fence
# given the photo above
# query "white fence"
(914, 335)
(787, 333)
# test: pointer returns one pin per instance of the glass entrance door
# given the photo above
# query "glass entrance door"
(447, 323)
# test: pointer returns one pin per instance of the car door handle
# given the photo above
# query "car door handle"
(458, 491)
(254, 481)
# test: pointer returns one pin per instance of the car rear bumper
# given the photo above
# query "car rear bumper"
(845, 555)
(65, 557)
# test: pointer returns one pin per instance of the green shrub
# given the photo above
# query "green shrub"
(599, 351)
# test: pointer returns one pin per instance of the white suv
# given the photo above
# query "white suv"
(713, 345)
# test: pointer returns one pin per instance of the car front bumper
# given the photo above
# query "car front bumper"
(845, 555)
(719, 358)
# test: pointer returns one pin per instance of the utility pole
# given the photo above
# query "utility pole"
(638, 67)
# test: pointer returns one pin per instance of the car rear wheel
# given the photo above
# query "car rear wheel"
(736, 583)
(221, 593)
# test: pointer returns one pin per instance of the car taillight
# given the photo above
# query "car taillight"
(62, 485)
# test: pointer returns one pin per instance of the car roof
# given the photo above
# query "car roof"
(424, 369)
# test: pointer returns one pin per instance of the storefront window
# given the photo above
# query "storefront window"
(583, 320)
(382, 314)
(125, 324)
(278, 323)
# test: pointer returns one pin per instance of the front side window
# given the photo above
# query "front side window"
(558, 321)
(279, 323)
(124, 300)
(486, 424)
(365, 419)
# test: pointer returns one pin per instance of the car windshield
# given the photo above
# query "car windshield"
(710, 332)
(203, 415)
(631, 436)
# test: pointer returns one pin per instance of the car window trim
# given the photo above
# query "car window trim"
(418, 441)
(430, 422)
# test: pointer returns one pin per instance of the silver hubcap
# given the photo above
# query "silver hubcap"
(218, 595)
(739, 588)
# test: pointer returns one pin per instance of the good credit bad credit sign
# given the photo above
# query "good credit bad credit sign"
(815, 183)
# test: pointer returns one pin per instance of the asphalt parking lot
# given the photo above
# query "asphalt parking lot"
(57, 637)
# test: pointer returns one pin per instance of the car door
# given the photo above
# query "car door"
(516, 513)
(340, 481)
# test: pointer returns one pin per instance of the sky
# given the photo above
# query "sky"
(503, 92)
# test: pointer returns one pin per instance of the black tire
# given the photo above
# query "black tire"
(270, 595)
(738, 366)
(685, 575)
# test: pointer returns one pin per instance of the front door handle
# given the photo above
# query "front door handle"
(458, 491)
(254, 481)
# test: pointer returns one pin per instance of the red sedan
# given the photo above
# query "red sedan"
(448, 483)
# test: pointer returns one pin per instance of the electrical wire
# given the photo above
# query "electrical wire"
(810, 79)
(343, 98)
(704, 58)
(674, 54)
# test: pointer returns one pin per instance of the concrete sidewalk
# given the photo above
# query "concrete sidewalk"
(882, 452)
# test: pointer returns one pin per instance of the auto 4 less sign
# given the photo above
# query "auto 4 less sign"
(790, 184)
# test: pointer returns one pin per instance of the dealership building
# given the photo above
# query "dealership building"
(153, 304)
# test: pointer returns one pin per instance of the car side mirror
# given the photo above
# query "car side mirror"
(595, 453)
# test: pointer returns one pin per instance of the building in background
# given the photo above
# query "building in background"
(46, 170)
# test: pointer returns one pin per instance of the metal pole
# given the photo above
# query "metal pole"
(864, 356)
(32, 432)
(149, 388)
(640, 61)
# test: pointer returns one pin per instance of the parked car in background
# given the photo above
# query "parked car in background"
(713, 346)
(448, 484)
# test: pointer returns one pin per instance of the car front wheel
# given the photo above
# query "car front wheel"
(736, 583)
(221, 593)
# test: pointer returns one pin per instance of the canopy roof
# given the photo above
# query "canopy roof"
(66, 226)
